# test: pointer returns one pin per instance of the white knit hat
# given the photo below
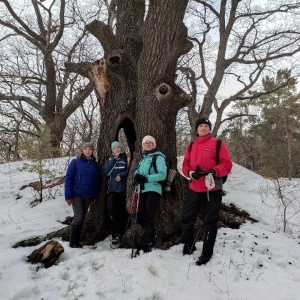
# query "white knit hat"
(149, 138)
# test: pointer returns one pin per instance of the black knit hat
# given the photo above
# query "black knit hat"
(203, 121)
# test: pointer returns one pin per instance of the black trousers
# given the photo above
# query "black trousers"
(116, 207)
(207, 203)
(147, 209)
(80, 207)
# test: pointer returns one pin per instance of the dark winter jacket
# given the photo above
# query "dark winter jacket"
(83, 179)
(202, 153)
(114, 167)
(144, 168)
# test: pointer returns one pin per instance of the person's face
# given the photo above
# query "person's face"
(147, 146)
(203, 129)
(117, 149)
(87, 152)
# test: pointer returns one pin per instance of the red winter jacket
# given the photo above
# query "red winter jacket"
(203, 154)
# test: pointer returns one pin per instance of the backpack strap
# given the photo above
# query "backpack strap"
(190, 146)
(109, 173)
(218, 147)
(153, 162)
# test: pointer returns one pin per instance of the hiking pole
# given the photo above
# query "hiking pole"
(135, 201)
(131, 216)
(132, 201)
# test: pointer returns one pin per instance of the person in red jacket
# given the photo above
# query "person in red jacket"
(200, 165)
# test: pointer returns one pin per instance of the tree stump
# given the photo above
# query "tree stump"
(47, 255)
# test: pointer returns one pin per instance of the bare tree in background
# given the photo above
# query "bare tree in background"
(83, 125)
(236, 41)
(35, 40)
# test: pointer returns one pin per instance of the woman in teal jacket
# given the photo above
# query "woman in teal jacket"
(151, 190)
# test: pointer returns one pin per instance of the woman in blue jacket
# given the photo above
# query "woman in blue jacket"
(151, 190)
(82, 188)
(117, 170)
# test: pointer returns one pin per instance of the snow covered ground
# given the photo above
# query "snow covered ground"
(258, 261)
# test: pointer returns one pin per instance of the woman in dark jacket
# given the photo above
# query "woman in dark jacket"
(82, 188)
(117, 170)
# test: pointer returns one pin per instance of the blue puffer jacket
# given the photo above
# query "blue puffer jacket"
(152, 184)
(114, 167)
(83, 179)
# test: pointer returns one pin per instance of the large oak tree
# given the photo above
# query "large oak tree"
(141, 51)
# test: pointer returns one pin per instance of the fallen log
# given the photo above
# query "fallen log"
(47, 255)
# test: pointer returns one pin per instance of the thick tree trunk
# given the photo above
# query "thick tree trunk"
(141, 58)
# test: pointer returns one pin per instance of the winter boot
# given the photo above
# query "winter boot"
(154, 238)
(75, 236)
(116, 239)
(115, 242)
(147, 248)
(209, 240)
(188, 249)
(202, 260)
(137, 252)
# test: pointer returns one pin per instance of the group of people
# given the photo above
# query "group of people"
(203, 165)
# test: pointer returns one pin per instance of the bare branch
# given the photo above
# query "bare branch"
(21, 99)
(32, 36)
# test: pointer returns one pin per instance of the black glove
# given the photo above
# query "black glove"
(139, 179)
(198, 173)
(211, 171)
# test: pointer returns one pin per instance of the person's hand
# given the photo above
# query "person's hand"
(198, 173)
(191, 173)
(69, 202)
(118, 178)
(139, 179)
(210, 171)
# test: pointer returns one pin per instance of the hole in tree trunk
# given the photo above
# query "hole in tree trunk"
(163, 89)
(129, 132)
(115, 60)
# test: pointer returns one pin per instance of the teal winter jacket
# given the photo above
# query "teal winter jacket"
(144, 168)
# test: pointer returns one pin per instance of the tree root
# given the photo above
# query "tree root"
(230, 217)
